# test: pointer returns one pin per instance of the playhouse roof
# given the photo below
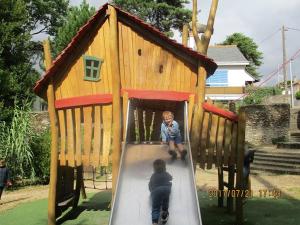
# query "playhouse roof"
(41, 84)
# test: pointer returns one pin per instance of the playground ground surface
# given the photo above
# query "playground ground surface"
(29, 205)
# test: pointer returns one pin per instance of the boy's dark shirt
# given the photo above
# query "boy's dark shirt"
(4, 176)
(160, 179)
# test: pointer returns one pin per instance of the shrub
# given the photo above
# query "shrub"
(40, 148)
(297, 95)
(256, 94)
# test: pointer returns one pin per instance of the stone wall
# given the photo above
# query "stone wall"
(267, 123)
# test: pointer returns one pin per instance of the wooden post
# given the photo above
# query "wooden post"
(198, 111)
(240, 164)
(185, 34)
(191, 109)
(230, 188)
(54, 139)
(115, 69)
(125, 109)
(221, 186)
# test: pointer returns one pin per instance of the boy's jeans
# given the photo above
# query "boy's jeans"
(160, 198)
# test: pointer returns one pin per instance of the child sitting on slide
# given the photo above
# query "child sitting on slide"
(160, 187)
(170, 134)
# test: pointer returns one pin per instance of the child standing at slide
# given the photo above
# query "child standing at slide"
(170, 134)
(160, 187)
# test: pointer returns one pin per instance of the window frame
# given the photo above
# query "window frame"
(211, 84)
(92, 68)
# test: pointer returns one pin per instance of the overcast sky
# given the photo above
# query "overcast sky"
(258, 19)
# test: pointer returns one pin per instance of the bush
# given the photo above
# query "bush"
(256, 94)
(40, 148)
(297, 95)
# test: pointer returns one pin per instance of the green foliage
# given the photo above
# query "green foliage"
(40, 147)
(164, 15)
(297, 95)
(20, 19)
(249, 49)
(76, 17)
(256, 94)
(15, 139)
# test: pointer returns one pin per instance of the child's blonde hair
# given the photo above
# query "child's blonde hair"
(166, 114)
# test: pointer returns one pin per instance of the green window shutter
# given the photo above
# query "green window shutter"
(92, 66)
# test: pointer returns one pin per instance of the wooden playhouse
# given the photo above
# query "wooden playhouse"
(115, 57)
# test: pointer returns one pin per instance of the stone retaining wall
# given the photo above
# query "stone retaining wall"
(266, 124)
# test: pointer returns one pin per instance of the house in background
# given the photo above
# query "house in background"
(230, 79)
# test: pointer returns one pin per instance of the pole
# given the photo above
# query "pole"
(278, 84)
(116, 86)
(54, 139)
(292, 88)
(284, 59)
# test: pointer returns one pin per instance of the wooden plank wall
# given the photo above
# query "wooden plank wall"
(85, 135)
(146, 65)
(143, 65)
(72, 83)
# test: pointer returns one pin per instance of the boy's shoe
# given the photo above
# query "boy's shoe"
(164, 217)
(173, 154)
(183, 154)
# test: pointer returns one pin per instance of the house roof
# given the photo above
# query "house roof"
(227, 55)
(60, 59)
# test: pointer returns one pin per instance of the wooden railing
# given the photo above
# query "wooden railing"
(222, 142)
(84, 135)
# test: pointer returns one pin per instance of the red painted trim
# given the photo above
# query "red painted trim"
(157, 95)
(220, 112)
(83, 101)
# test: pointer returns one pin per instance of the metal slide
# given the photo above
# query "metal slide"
(132, 202)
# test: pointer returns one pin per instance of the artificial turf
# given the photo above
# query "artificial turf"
(94, 211)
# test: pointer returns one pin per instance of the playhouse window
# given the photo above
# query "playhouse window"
(92, 66)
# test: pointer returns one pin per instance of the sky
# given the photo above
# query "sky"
(260, 20)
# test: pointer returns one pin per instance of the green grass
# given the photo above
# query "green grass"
(94, 211)
(257, 211)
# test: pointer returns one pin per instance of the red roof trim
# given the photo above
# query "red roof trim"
(101, 12)
(220, 112)
(83, 101)
(157, 95)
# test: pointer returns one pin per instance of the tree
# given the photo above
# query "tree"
(164, 15)
(203, 42)
(20, 20)
(249, 49)
(76, 17)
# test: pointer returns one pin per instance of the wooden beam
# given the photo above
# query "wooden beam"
(198, 111)
(125, 109)
(54, 139)
(83, 101)
(115, 68)
(185, 34)
(240, 164)
(191, 110)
